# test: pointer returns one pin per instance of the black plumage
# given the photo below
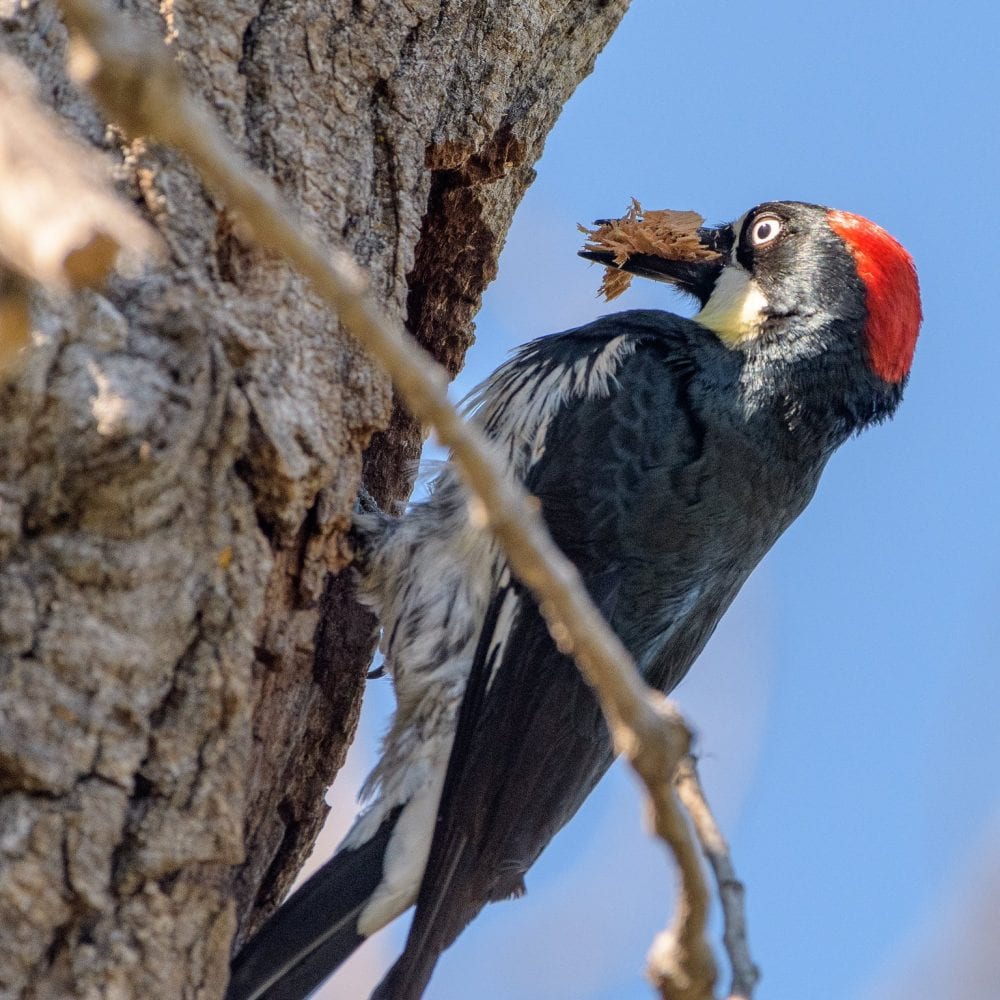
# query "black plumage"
(667, 455)
(631, 495)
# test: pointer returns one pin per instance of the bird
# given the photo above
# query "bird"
(667, 455)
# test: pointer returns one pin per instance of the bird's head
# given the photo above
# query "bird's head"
(809, 286)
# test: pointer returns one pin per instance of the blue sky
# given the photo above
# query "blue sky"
(847, 706)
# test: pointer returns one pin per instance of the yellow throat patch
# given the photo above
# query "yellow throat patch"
(736, 309)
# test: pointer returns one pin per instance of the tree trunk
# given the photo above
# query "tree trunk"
(182, 659)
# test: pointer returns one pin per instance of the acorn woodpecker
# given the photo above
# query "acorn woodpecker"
(667, 455)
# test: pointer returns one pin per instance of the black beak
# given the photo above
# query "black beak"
(696, 277)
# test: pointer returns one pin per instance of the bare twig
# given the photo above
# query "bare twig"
(15, 319)
(141, 88)
(60, 223)
(731, 890)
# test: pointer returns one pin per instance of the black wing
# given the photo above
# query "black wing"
(531, 742)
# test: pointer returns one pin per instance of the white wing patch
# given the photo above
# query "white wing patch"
(517, 403)
(501, 631)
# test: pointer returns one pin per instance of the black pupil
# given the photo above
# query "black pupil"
(764, 231)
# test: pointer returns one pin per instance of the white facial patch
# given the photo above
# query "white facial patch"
(737, 228)
(736, 308)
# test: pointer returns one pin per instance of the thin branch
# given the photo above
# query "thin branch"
(61, 225)
(15, 319)
(731, 889)
(141, 88)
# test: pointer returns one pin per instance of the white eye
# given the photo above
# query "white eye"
(765, 230)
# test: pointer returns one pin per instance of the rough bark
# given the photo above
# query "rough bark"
(182, 660)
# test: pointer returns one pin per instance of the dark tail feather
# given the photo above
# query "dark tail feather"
(408, 978)
(442, 913)
(315, 930)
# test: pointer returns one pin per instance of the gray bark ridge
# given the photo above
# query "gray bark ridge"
(181, 659)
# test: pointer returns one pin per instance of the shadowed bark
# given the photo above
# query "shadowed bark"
(182, 664)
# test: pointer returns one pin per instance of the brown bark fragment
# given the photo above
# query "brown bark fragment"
(658, 233)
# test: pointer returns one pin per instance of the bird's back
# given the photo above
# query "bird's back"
(630, 491)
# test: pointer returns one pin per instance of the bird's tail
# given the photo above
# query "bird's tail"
(316, 930)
